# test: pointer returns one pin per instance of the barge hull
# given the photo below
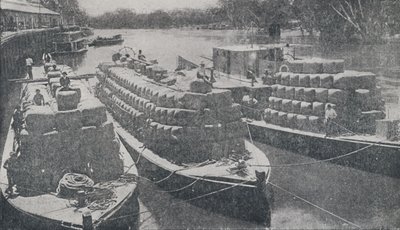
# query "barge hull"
(379, 158)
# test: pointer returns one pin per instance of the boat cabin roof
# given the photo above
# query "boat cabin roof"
(248, 47)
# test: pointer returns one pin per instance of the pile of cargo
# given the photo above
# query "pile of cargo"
(301, 93)
(70, 133)
(183, 126)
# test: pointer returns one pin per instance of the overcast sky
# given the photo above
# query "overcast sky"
(95, 7)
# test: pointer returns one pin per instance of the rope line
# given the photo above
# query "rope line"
(184, 201)
(317, 162)
(315, 206)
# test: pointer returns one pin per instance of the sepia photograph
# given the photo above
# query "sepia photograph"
(199, 114)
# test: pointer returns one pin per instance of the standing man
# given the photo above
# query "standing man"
(29, 63)
(330, 116)
(38, 99)
(65, 81)
(46, 57)
(141, 56)
(11, 165)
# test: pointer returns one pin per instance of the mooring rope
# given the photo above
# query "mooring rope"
(318, 161)
(315, 206)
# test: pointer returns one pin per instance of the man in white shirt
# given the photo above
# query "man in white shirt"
(330, 116)
(29, 63)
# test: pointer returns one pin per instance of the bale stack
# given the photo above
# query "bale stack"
(299, 96)
(72, 138)
(182, 126)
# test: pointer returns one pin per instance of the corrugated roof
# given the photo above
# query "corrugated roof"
(24, 6)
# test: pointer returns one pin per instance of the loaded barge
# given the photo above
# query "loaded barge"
(188, 138)
(291, 99)
(63, 166)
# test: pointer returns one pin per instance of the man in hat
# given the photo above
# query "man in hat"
(65, 81)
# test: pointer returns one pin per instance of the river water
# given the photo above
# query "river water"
(340, 196)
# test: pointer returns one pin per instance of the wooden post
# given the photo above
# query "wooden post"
(87, 222)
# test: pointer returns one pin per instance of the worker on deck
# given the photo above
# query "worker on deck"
(18, 121)
(201, 73)
(251, 75)
(65, 81)
(47, 58)
(141, 56)
(11, 165)
(330, 116)
(29, 64)
(38, 99)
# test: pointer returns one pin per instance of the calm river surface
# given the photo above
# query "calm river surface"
(365, 199)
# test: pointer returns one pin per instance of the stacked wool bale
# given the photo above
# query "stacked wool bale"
(299, 97)
(189, 126)
(78, 138)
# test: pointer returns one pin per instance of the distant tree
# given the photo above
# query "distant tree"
(69, 10)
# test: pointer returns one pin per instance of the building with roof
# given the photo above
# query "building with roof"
(25, 14)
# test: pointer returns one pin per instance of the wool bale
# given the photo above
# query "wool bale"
(367, 100)
(321, 95)
(333, 66)
(291, 120)
(93, 112)
(39, 119)
(278, 78)
(312, 67)
(354, 80)
(200, 86)
(315, 124)
(318, 109)
(183, 117)
(326, 81)
(309, 94)
(282, 119)
(261, 92)
(287, 106)
(296, 106)
(285, 80)
(67, 100)
(281, 91)
(68, 120)
(274, 117)
(278, 104)
(193, 101)
(296, 66)
(290, 93)
(236, 129)
(337, 96)
(299, 93)
(53, 74)
(269, 80)
(315, 81)
(274, 90)
(294, 80)
(304, 80)
(229, 113)
(306, 108)
(219, 98)
(48, 66)
(267, 115)
(302, 122)
(271, 102)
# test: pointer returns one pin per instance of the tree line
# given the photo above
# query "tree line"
(335, 20)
